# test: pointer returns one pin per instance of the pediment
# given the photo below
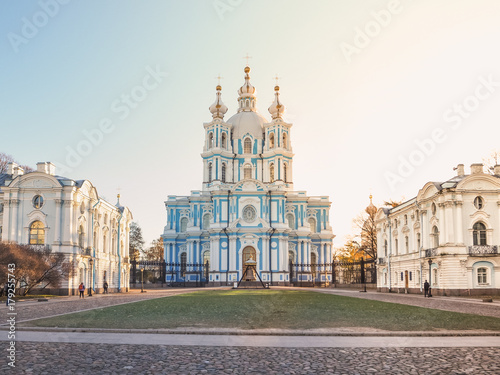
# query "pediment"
(427, 191)
(479, 182)
(249, 185)
(36, 181)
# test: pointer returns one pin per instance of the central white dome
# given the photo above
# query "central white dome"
(247, 122)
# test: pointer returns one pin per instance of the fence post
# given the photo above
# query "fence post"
(333, 273)
(134, 267)
(363, 279)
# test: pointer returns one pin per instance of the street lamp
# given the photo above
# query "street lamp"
(430, 278)
(142, 280)
(91, 262)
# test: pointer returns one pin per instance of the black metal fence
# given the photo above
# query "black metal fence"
(337, 272)
(354, 272)
(171, 274)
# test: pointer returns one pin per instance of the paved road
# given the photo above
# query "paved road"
(92, 353)
(71, 359)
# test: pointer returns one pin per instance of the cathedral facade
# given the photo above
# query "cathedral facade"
(247, 212)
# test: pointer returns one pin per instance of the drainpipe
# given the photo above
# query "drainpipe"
(93, 248)
(421, 241)
(270, 237)
(390, 253)
(227, 235)
(119, 250)
(262, 167)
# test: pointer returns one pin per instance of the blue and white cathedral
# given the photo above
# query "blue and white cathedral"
(247, 212)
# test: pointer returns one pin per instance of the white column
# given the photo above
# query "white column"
(459, 230)
(57, 226)
(232, 253)
(6, 221)
(442, 224)
(449, 222)
(14, 203)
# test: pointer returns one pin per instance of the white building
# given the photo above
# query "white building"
(41, 208)
(247, 210)
(451, 228)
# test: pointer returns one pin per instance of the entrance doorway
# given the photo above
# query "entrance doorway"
(249, 259)
(406, 280)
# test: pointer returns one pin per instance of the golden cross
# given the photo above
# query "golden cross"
(276, 78)
(247, 57)
(218, 78)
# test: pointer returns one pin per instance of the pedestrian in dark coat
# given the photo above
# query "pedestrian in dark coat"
(426, 289)
(105, 286)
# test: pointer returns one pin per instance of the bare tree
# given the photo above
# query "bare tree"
(136, 244)
(35, 267)
(491, 160)
(4, 160)
(155, 251)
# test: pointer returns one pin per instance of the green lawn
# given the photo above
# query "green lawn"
(251, 309)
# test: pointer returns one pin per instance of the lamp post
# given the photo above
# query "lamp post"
(142, 280)
(430, 278)
(91, 262)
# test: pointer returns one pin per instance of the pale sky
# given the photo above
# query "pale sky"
(364, 82)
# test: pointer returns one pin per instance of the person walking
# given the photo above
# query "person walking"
(426, 289)
(105, 285)
(81, 289)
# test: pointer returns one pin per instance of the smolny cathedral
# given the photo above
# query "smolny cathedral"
(247, 211)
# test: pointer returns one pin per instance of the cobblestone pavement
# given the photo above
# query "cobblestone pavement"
(61, 359)
(456, 304)
(27, 310)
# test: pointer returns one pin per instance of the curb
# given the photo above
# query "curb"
(263, 333)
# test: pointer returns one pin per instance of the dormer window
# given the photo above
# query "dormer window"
(271, 140)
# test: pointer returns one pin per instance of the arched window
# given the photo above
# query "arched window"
(81, 236)
(37, 233)
(271, 140)
(223, 174)
(285, 172)
(291, 221)
(312, 224)
(284, 141)
(385, 248)
(105, 243)
(113, 244)
(209, 172)
(396, 243)
(435, 276)
(247, 146)
(206, 221)
(183, 264)
(223, 141)
(184, 224)
(406, 219)
(95, 240)
(482, 276)
(433, 209)
(435, 235)
(271, 172)
(407, 245)
(313, 265)
(211, 140)
(479, 234)
(247, 172)
(418, 241)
